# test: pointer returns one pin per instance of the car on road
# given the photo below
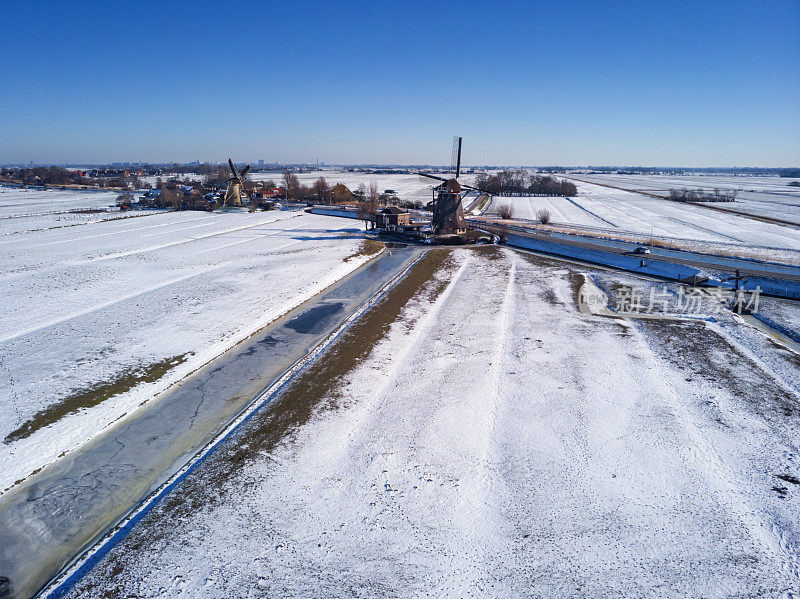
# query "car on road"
(641, 250)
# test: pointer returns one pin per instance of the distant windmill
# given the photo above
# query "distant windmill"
(233, 195)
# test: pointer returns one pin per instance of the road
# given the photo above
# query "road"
(687, 258)
(51, 518)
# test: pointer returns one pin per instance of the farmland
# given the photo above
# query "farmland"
(101, 316)
(473, 429)
(761, 196)
(616, 210)
(493, 437)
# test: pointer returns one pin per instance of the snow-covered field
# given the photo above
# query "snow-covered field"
(96, 307)
(23, 210)
(617, 210)
(765, 196)
(496, 442)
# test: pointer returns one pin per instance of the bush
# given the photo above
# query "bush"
(543, 215)
(505, 211)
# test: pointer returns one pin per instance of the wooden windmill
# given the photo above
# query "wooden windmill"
(448, 215)
(233, 194)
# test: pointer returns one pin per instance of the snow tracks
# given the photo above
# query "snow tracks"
(494, 442)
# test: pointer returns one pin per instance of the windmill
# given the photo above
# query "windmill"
(233, 194)
(448, 215)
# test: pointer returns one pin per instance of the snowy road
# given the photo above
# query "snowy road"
(492, 441)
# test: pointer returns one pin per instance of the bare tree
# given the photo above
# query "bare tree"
(291, 185)
(322, 191)
(373, 194)
(505, 211)
(543, 215)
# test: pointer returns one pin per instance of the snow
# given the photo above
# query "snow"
(23, 210)
(616, 211)
(83, 304)
(562, 210)
(497, 442)
(783, 315)
(760, 195)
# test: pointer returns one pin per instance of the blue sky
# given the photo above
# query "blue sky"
(641, 83)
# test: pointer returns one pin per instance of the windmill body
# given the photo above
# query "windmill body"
(448, 215)
(233, 194)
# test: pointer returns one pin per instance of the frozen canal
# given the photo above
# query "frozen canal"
(100, 316)
(47, 519)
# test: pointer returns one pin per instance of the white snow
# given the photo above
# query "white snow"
(616, 211)
(23, 210)
(83, 304)
(499, 443)
(760, 195)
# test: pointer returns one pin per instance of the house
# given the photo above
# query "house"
(269, 193)
(391, 217)
(396, 220)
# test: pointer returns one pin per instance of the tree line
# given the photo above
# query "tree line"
(188, 194)
(701, 195)
(521, 182)
(46, 175)
(56, 175)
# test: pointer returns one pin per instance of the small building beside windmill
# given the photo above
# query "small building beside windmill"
(396, 220)
(391, 216)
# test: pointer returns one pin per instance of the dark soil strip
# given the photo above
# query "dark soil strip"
(97, 393)
(369, 247)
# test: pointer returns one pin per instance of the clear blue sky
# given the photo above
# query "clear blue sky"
(642, 83)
